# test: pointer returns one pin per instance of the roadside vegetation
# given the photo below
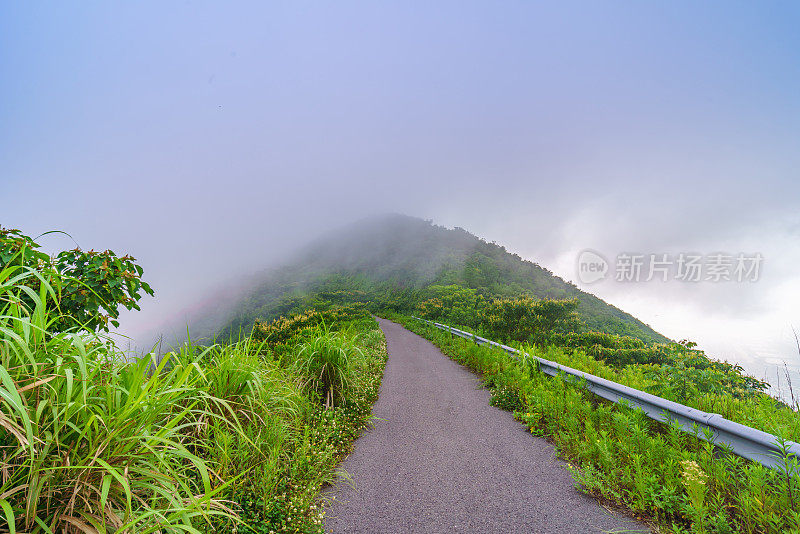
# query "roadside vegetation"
(242, 435)
(680, 482)
(679, 370)
(235, 437)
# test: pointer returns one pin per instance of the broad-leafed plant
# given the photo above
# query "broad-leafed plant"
(89, 287)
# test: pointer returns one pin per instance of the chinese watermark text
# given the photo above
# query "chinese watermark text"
(683, 267)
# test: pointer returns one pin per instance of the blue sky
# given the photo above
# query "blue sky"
(209, 139)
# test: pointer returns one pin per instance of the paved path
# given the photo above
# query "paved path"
(440, 459)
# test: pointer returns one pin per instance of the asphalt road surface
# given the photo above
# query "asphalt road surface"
(440, 459)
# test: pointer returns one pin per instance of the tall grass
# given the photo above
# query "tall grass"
(328, 360)
(269, 403)
(91, 441)
(313, 397)
(236, 437)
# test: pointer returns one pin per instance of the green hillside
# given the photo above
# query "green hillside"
(395, 258)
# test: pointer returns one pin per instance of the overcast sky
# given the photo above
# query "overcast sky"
(209, 139)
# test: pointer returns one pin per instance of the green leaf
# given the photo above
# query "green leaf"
(9, 513)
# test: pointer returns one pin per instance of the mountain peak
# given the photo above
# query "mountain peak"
(396, 252)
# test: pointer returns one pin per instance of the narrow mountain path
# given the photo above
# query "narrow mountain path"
(440, 459)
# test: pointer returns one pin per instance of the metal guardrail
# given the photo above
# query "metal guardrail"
(742, 440)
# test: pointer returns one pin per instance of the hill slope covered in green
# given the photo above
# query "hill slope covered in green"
(393, 260)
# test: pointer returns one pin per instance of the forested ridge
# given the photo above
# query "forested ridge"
(396, 262)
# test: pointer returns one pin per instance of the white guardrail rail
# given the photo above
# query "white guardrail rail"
(742, 440)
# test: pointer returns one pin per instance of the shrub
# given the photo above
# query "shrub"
(282, 330)
(525, 319)
(327, 361)
(88, 288)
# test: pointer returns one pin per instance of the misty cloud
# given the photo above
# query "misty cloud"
(211, 141)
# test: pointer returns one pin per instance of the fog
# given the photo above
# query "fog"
(211, 140)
